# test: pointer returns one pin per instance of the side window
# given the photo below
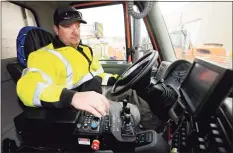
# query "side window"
(146, 42)
(140, 35)
(14, 18)
(105, 31)
(200, 30)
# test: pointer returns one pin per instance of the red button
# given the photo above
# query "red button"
(95, 145)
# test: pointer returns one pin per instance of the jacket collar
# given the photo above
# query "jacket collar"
(57, 43)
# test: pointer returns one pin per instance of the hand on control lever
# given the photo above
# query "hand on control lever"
(91, 102)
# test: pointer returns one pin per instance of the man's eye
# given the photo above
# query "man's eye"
(67, 26)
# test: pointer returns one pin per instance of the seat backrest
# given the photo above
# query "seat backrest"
(28, 40)
(15, 71)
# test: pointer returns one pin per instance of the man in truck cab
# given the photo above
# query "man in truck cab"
(65, 73)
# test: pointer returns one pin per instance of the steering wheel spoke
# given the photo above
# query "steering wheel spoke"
(134, 73)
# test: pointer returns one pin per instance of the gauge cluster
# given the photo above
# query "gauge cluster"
(177, 75)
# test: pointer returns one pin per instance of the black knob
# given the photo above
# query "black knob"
(175, 144)
(183, 144)
(127, 127)
(85, 125)
(127, 119)
(127, 110)
(96, 118)
(125, 103)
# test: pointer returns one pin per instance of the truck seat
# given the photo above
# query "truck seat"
(34, 39)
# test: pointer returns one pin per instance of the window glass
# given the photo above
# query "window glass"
(105, 31)
(14, 18)
(140, 35)
(200, 29)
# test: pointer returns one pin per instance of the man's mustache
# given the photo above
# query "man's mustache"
(75, 36)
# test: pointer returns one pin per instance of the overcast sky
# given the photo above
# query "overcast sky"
(112, 17)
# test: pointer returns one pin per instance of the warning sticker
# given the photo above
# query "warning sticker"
(84, 141)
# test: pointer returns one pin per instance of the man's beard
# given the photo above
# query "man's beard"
(75, 45)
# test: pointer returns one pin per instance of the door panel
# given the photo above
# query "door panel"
(4, 73)
(9, 102)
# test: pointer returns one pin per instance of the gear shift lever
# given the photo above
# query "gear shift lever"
(124, 108)
(127, 129)
(125, 103)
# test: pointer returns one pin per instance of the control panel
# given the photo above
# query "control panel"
(116, 131)
(89, 123)
(179, 139)
(196, 136)
(144, 138)
(83, 132)
(106, 124)
(122, 124)
(119, 124)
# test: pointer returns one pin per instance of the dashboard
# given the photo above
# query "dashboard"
(177, 75)
(199, 86)
(184, 129)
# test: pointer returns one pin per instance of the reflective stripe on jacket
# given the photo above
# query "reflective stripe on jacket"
(53, 72)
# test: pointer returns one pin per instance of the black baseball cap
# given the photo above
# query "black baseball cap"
(67, 15)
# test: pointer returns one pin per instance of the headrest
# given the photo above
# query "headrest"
(30, 39)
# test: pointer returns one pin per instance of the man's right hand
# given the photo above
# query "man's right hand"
(91, 102)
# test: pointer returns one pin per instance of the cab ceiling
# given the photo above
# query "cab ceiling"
(44, 10)
(40, 4)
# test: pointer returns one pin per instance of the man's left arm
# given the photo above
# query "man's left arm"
(107, 78)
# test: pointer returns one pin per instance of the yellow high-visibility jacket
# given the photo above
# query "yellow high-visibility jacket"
(55, 72)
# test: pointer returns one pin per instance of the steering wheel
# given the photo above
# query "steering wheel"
(134, 73)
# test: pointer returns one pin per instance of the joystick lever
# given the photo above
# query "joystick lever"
(125, 108)
(127, 119)
(127, 129)
(125, 101)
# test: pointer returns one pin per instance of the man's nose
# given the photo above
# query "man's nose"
(75, 30)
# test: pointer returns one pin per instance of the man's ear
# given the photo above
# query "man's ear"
(55, 29)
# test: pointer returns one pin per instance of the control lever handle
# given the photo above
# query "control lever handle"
(127, 119)
(125, 101)
(127, 126)
(127, 110)
(124, 108)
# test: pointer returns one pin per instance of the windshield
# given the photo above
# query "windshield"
(105, 34)
(200, 29)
